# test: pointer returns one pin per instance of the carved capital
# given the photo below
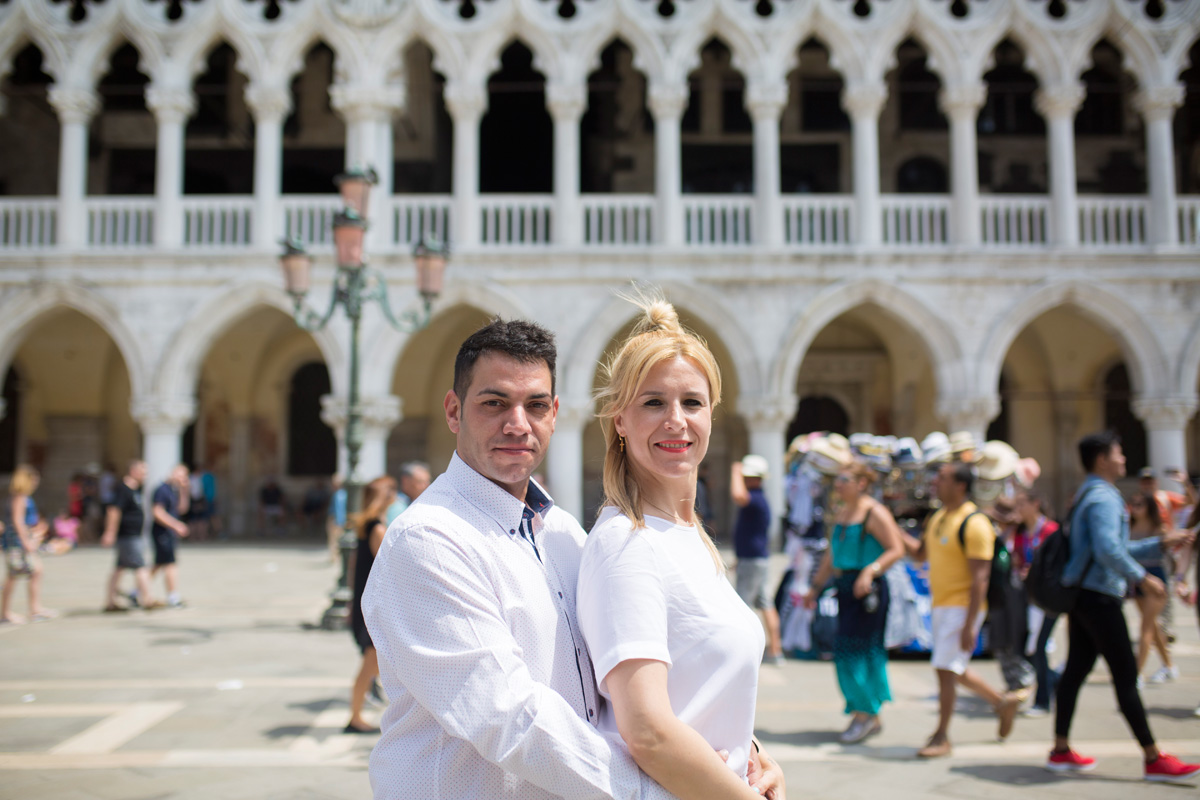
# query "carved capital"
(962, 102)
(465, 100)
(1165, 413)
(268, 101)
(159, 414)
(362, 102)
(668, 100)
(1159, 102)
(75, 105)
(968, 412)
(566, 101)
(766, 100)
(864, 99)
(170, 103)
(766, 412)
(379, 413)
(1059, 102)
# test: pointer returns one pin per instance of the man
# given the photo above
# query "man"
(471, 606)
(414, 479)
(123, 522)
(169, 508)
(958, 581)
(1103, 565)
(751, 546)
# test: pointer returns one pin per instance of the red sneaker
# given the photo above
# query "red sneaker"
(1168, 768)
(1070, 761)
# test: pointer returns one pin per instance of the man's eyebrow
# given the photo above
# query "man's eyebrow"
(487, 390)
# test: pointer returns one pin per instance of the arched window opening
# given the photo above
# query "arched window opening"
(10, 425)
(511, 162)
(717, 140)
(918, 90)
(125, 135)
(998, 427)
(922, 175)
(616, 132)
(219, 142)
(314, 144)
(819, 413)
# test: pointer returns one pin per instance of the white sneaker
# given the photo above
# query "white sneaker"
(1140, 683)
(1165, 675)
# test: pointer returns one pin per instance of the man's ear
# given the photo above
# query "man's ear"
(453, 409)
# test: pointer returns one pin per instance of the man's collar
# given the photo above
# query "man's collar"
(491, 499)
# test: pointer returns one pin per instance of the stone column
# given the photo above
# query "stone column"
(766, 102)
(1157, 107)
(172, 105)
(565, 467)
(1166, 420)
(379, 415)
(766, 421)
(667, 103)
(1058, 105)
(75, 107)
(961, 104)
(234, 500)
(863, 100)
(162, 420)
(566, 103)
(270, 105)
(368, 110)
(971, 413)
(466, 102)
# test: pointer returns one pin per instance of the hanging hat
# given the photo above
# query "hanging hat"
(936, 447)
(998, 461)
(1028, 471)
(906, 452)
(830, 454)
(754, 466)
(964, 445)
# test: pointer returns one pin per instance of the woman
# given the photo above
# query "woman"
(1145, 520)
(1033, 527)
(377, 496)
(675, 651)
(863, 544)
(23, 531)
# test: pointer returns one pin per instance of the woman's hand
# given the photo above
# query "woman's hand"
(765, 775)
(862, 584)
(810, 598)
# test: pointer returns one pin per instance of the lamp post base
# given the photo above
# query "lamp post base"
(337, 616)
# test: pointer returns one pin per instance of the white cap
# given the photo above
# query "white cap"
(754, 466)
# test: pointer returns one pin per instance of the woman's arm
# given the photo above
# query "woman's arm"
(377, 533)
(819, 579)
(666, 749)
(883, 527)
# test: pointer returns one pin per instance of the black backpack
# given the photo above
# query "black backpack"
(1044, 583)
(1001, 565)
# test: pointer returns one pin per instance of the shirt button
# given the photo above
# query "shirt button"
(512, 531)
(590, 712)
(560, 595)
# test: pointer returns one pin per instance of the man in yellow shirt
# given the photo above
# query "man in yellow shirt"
(958, 581)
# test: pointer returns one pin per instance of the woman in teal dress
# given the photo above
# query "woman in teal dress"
(864, 543)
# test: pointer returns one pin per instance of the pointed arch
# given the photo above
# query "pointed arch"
(1143, 352)
(585, 351)
(184, 355)
(22, 310)
(1188, 372)
(940, 342)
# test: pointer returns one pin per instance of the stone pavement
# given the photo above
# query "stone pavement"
(238, 696)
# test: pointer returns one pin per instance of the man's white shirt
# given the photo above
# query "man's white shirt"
(490, 685)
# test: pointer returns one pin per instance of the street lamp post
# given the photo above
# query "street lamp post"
(354, 286)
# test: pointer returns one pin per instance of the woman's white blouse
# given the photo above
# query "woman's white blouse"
(655, 593)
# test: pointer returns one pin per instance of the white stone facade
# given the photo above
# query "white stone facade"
(905, 309)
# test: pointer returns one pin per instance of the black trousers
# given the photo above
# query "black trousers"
(1097, 627)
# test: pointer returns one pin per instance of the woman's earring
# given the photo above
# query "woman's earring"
(622, 438)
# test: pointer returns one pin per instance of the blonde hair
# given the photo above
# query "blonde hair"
(657, 337)
(23, 481)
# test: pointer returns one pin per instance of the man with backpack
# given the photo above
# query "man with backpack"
(959, 542)
(1102, 564)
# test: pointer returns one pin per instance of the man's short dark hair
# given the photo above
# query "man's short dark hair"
(963, 474)
(524, 341)
(409, 468)
(1094, 445)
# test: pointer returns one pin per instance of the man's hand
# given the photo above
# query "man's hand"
(1179, 537)
(108, 539)
(1153, 588)
(181, 528)
(765, 775)
(966, 639)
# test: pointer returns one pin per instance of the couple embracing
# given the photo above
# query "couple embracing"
(526, 659)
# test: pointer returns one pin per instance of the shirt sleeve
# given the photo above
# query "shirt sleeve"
(1104, 520)
(437, 626)
(621, 601)
(980, 538)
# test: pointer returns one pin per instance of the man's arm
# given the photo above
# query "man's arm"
(112, 518)
(913, 545)
(981, 570)
(737, 486)
(451, 647)
(1104, 520)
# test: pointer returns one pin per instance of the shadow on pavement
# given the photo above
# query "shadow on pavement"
(1028, 775)
(1174, 712)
